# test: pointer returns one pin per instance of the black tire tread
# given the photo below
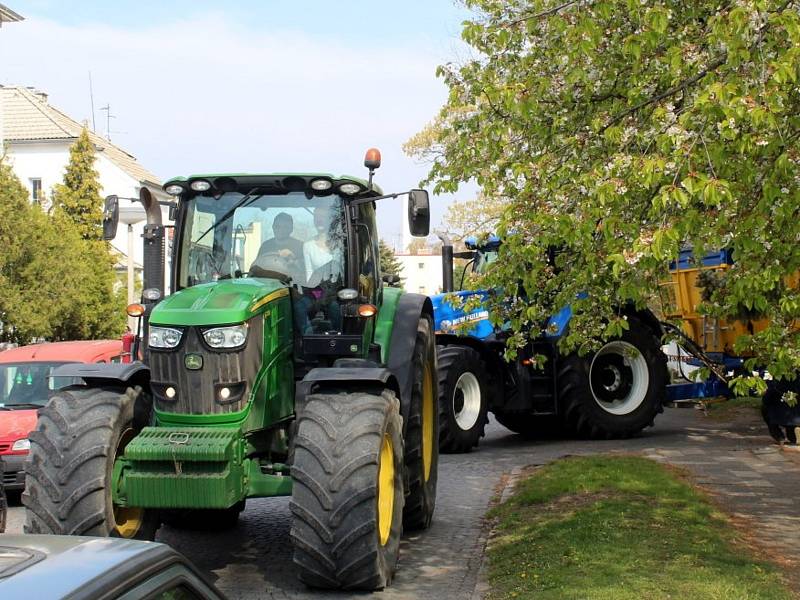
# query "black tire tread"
(421, 494)
(577, 406)
(334, 469)
(67, 472)
(449, 358)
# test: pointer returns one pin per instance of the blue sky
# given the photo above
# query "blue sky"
(258, 86)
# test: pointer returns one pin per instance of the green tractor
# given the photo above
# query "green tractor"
(279, 366)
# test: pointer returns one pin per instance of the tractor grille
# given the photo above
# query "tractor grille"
(197, 389)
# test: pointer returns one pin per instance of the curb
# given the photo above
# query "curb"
(482, 587)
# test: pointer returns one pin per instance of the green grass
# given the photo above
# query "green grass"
(619, 528)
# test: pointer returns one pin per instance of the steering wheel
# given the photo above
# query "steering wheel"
(272, 265)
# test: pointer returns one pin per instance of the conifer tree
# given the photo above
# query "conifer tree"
(79, 196)
(389, 263)
(78, 205)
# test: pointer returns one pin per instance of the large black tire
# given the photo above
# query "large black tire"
(619, 390)
(347, 497)
(204, 519)
(422, 433)
(463, 402)
(68, 472)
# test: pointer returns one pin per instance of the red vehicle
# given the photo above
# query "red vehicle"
(26, 385)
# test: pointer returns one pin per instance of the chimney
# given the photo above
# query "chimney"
(42, 96)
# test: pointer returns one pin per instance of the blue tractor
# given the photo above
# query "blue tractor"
(614, 393)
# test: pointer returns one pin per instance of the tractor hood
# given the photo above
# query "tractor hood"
(217, 303)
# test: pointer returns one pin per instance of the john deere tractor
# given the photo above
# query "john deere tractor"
(278, 366)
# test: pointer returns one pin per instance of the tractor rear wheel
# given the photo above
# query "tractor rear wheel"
(347, 497)
(619, 390)
(422, 432)
(68, 473)
(463, 403)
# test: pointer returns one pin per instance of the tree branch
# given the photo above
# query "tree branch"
(669, 92)
(544, 13)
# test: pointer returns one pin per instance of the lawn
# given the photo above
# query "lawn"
(617, 528)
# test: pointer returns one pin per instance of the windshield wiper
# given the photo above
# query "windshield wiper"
(21, 405)
(246, 199)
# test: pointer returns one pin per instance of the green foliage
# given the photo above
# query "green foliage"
(618, 130)
(78, 197)
(617, 528)
(389, 263)
(54, 284)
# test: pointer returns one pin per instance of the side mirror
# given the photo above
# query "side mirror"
(173, 211)
(110, 217)
(419, 213)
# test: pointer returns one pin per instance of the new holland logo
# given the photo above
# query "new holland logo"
(193, 362)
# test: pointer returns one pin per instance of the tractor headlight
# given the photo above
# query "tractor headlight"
(23, 445)
(226, 337)
(164, 337)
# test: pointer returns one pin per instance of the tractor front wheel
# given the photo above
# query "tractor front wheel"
(462, 399)
(68, 478)
(422, 432)
(347, 497)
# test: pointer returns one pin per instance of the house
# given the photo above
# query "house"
(422, 272)
(8, 16)
(37, 138)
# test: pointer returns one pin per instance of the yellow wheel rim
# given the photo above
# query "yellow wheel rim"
(385, 490)
(127, 521)
(427, 420)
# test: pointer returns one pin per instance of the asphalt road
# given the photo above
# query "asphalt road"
(254, 560)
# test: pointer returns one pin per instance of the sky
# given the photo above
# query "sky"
(263, 86)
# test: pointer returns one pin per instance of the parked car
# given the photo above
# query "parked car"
(3, 504)
(53, 566)
(26, 385)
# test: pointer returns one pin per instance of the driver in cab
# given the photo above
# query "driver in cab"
(283, 253)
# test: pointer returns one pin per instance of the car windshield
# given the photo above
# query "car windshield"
(29, 383)
(290, 237)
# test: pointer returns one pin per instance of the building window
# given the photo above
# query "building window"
(422, 289)
(421, 265)
(36, 189)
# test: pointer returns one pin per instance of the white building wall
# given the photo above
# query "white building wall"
(422, 273)
(36, 160)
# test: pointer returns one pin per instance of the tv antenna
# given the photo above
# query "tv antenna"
(91, 101)
(109, 116)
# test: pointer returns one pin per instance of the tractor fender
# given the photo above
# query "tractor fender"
(116, 375)
(102, 374)
(647, 317)
(410, 308)
(349, 373)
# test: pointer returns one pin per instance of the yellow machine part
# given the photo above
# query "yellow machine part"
(681, 297)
